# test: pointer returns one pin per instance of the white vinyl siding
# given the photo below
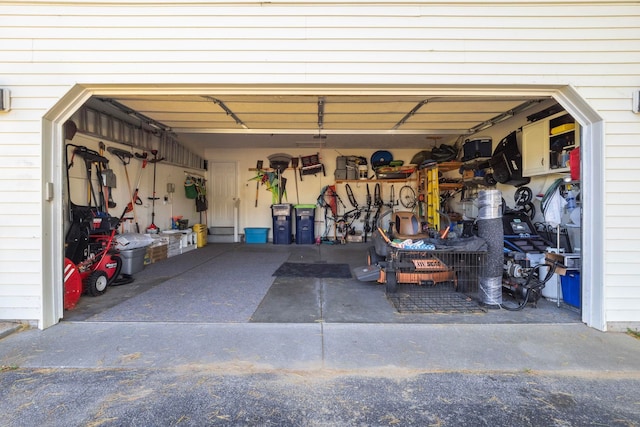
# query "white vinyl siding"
(48, 47)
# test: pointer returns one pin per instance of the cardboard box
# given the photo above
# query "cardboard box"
(355, 238)
(156, 253)
(564, 262)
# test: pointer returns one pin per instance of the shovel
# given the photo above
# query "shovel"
(259, 168)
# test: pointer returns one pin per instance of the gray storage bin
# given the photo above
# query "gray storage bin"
(132, 260)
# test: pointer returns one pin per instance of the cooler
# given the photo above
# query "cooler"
(305, 224)
(282, 230)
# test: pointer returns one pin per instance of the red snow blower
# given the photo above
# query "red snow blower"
(91, 261)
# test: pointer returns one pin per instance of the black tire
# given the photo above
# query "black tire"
(96, 283)
(522, 196)
(408, 197)
(392, 282)
(372, 256)
(118, 261)
(529, 209)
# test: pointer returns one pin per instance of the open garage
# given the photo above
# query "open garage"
(238, 84)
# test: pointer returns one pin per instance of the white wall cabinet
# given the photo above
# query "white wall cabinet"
(546, 144)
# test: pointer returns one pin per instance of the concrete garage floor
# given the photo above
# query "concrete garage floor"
(234, 283)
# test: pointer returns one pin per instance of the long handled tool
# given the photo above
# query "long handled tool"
(125, 158)
(259, 168)
(294, 165)
(134, 197)
(153, 228)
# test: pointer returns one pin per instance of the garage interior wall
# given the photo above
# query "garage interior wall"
(49, 48)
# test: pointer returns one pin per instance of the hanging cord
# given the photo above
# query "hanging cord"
(367, 217)
(550, 192)
(535, 287)
(378, 202)
(351, 196)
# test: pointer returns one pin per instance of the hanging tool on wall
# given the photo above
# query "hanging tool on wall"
(107, 181)
(367, 216)
(153, 228)
(378, 203)
(294, 165)
(392, 198)
(125, 157)
(258, 181)
(134, 198)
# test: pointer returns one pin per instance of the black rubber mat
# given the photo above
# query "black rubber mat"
(319, 270)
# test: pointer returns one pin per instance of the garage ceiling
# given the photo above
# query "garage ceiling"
(332, 121)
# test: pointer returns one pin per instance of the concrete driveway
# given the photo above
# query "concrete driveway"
(319, 373)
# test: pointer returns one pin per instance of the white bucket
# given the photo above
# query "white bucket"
(363, 172)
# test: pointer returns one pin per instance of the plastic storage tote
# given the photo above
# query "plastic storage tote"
(255, 235)
(133, 260)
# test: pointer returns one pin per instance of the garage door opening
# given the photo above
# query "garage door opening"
(325, 140)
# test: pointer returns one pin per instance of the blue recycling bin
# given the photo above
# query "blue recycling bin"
(282, 224)
(305, 224)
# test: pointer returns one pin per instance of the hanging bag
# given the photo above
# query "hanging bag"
(190, 190)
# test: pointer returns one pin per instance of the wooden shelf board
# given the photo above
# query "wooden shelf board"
(339, 181)
(450, 186)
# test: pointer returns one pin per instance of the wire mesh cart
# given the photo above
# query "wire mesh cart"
(433, 281)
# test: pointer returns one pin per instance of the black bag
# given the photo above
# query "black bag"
(506, 162)
(444, 153)
(202, 204)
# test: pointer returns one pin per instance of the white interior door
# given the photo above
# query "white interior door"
(224, 193)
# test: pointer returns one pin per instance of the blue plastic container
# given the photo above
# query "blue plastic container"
(571, 288)
(256, 235)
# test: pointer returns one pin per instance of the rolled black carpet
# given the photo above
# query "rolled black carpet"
(491, 229)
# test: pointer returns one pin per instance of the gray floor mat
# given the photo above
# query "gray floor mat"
(211, 292)
(291, 300)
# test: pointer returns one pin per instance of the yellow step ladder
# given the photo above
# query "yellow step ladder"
(433, 198)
